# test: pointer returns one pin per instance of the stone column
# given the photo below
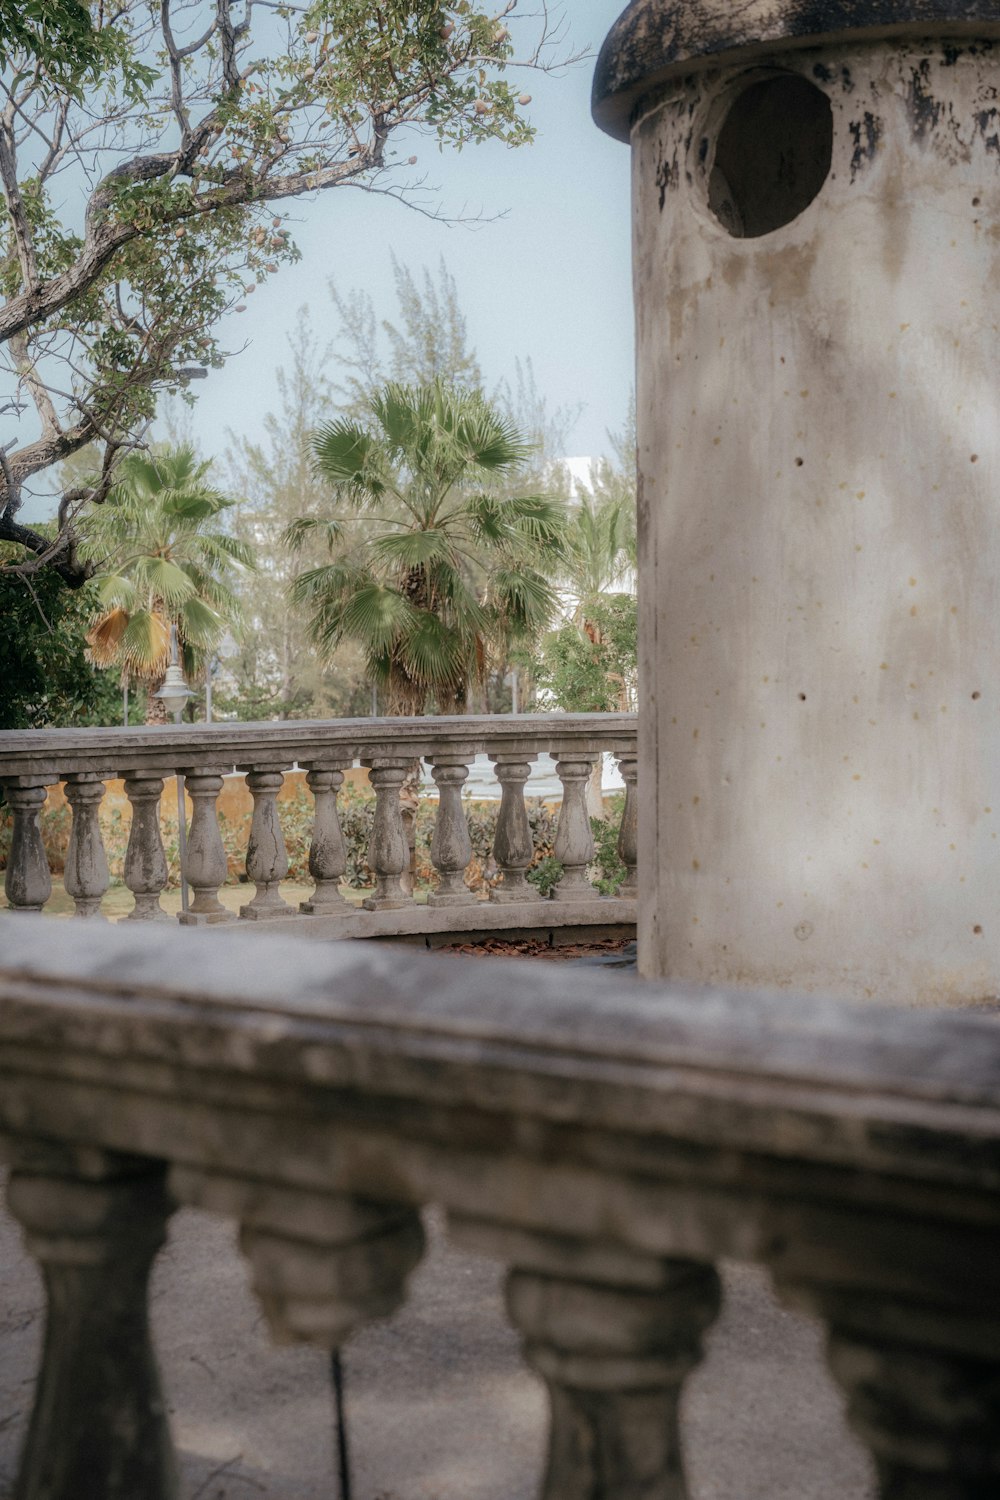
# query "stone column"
(267, 857)
(628, 833)
(146, 871)
(207, 865)
(574, 842)
(817, 295)
(513, 847)
(451, 846)
(86, 874)
(389, 853)
(327, 851)
(614, 1335)
(99, 1425)
(321, 1265)
(28, 882)
(913, 1314)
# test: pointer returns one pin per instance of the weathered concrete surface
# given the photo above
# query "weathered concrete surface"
(819, 532)
(441, 1407)
(653, 42)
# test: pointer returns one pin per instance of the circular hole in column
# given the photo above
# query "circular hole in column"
(772, 155)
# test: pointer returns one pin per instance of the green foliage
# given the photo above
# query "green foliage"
(546, 875)
(276, 668)
(593, 668)
(607, 871)
(163, 559)
(433, 570)
(430, 341)
(59, 37)
(45, 678)
(141, 202)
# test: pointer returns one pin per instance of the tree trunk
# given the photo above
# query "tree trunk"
(156, 709)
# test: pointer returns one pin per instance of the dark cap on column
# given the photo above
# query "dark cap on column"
(656, 40)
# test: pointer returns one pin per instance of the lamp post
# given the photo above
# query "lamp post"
(173, 694)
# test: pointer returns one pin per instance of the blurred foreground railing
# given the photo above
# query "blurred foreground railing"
(33, 760)
(607, 1144)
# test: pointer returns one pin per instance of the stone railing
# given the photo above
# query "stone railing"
(31, 761)
(607, 1142)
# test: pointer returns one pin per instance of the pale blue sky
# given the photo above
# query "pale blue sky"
(551, 280)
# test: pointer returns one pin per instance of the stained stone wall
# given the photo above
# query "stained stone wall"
(817, 263)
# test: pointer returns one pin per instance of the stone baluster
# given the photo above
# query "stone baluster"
(327, 851)
(389, 853)
(267, 857)
(28, 882)
(574, 841)
(513, 846)
(146, 870)
(451, 846)
(99, 1425)
(613, 1334)
(322, 1265)
(86, 875)
(206, 866)
(913, 1317)
(628, 832)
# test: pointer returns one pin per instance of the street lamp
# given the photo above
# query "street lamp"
(173, 694)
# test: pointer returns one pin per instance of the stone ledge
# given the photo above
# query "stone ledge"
(479, 919)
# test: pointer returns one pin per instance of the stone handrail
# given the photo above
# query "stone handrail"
(32, 760)
(607, 1144)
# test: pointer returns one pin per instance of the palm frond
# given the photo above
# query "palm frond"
(376, 615)
(144, 649)
(432, 653)
(167, 580)
(412, 548)
(199, 625)
(104, 638)
(350, 458)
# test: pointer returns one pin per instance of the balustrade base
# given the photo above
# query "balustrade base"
(604, 916)
(205, 918)
(153, 913)
(452, 898)
(330, 906)
(276, 913)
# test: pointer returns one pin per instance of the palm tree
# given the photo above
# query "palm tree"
(162, 560)
(599, 550)
(435, 573)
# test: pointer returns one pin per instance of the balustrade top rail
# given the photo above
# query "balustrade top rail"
(31, 760)
(608, 1142)
(57, 752)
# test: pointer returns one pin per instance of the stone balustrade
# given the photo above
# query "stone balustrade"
(607, 1141)
(33, 760)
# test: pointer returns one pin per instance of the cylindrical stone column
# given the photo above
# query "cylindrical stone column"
(99, 1424)
(146, 871)
(322, 1265)
(614, 1335)
(389, 852)
(451, 846)
(574, 840)
(816, 187)
(206, 865)
(267, 857)
(327, 850)
(513, 846)
(86, 875)
(28, 881)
